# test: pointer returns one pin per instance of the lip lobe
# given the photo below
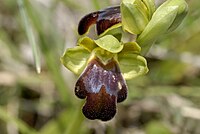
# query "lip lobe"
(100, 105)
(103, 19)
(102, 86)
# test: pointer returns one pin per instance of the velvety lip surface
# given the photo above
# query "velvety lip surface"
(103, 19)
(102, 86)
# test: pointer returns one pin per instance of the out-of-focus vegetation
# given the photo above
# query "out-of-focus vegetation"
(165, 101)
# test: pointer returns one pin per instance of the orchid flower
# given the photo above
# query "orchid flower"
(104, 64)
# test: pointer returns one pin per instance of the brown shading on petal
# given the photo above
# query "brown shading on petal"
(103, 86)
(103, 18)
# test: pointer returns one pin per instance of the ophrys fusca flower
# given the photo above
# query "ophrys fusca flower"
(103, 64)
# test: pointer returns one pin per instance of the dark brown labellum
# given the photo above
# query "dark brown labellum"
(103, 19)
(102, 86)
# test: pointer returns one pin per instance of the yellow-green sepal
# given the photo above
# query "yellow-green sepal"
(109, 43)
(132, 65)
(75, 59)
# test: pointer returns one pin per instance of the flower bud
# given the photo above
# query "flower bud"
(151, 8)
(166, 18)
(135, 16)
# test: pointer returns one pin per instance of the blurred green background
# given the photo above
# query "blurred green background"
(165, 101)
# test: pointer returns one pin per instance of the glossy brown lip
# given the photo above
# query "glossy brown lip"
(102, 86)
(103, 19)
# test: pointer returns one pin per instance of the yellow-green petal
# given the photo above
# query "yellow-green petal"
(109, 43)
(87, 43)
(132, 65)
(131, 47)
(114, 30)
(75, 59)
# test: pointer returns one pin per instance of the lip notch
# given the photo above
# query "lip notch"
(103, 86)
